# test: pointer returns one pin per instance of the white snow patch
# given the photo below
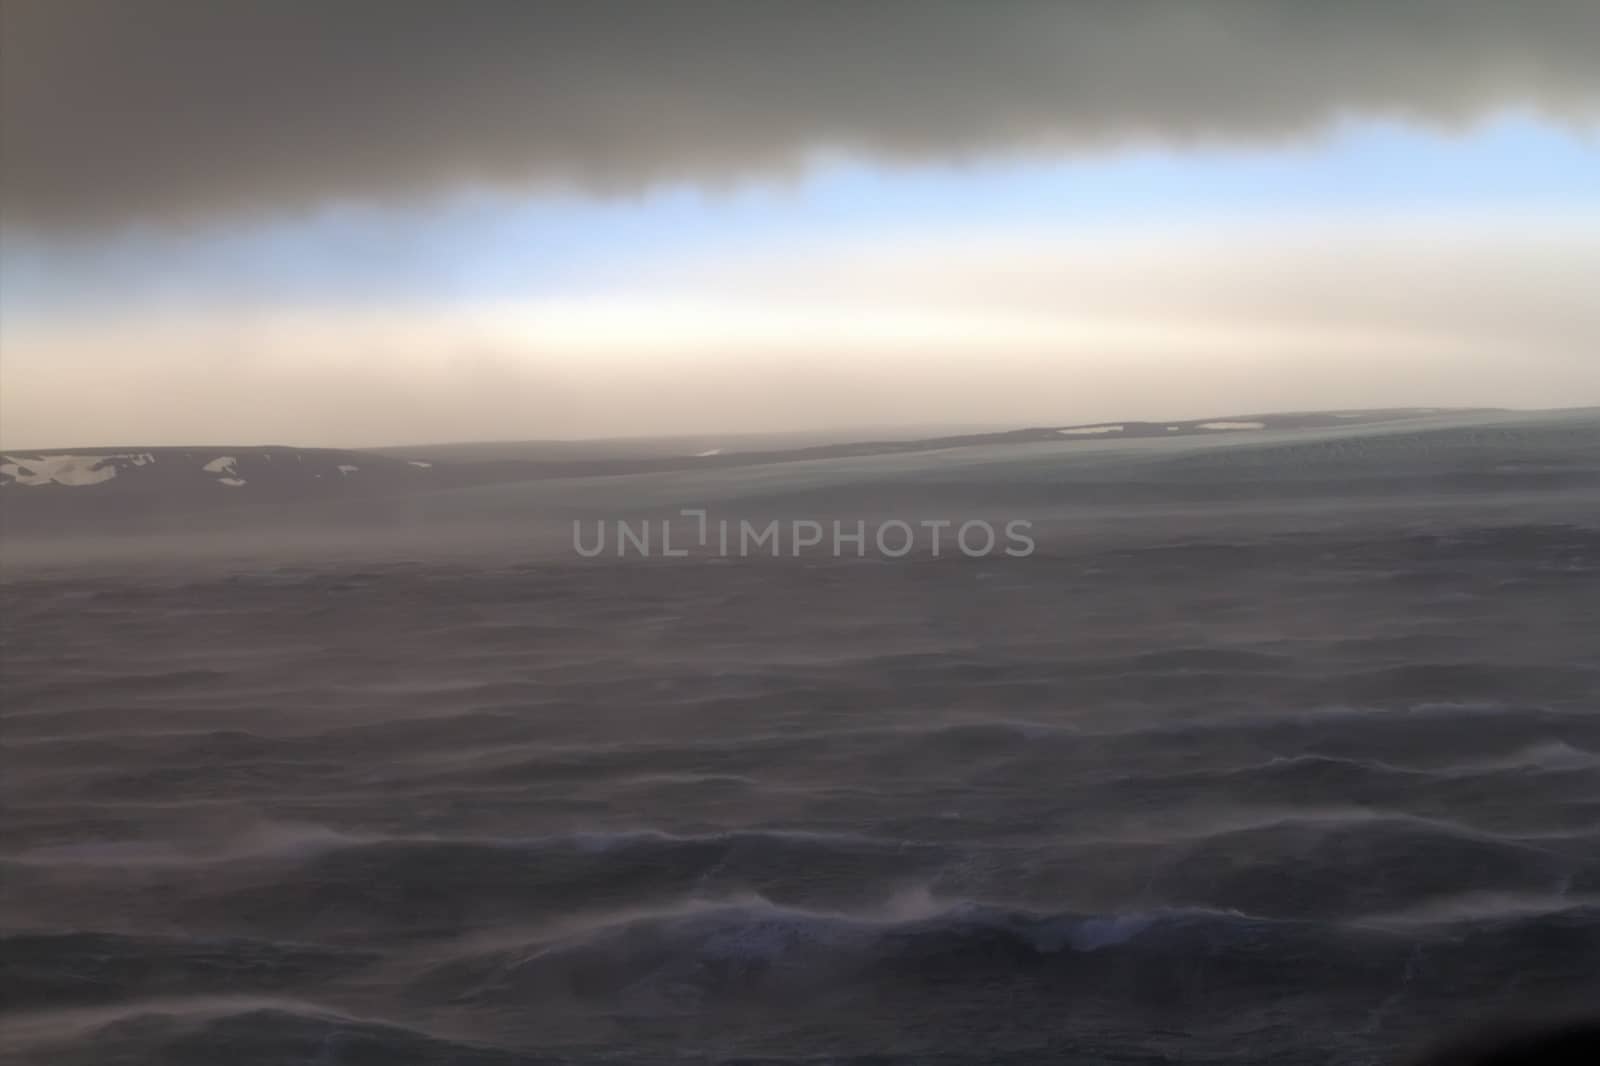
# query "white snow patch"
(1173, 429)
(1233, 425)
(707, 452)
(419, 464)
(74, 470)
(1085, 431)
(344, 469)
(228, 467)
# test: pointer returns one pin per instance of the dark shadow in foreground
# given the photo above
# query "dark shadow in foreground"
(1571, 1041)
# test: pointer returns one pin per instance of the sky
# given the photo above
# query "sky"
(362, 223)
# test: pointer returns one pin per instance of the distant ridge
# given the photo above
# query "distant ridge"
(78, 486)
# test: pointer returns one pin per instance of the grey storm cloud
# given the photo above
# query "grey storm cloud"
(185, 110)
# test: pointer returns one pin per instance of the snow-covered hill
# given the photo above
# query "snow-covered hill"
(269, 471)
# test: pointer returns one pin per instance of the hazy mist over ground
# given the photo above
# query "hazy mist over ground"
(1268, 746)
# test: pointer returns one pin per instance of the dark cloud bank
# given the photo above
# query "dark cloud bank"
(194, 109)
